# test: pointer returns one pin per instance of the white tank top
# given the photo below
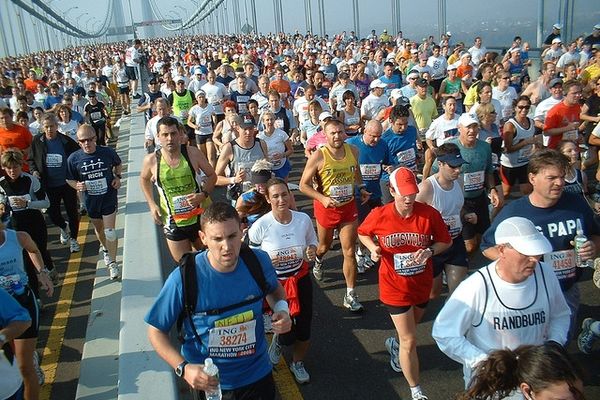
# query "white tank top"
(448, 203)
(521, 156)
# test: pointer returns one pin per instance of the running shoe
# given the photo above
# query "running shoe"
(74, 246)
(53, 275)
(419, 396)
(299, 372)
(38, 370)
(106, 257)
(113, 271)
(351, 302)
(596, 278)
(275, 350)
(318, 269)
(64, 236)
(586, 339)
(391, 344)
(360, 262)
(336, 234)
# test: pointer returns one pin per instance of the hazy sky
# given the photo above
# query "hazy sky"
(496, 21)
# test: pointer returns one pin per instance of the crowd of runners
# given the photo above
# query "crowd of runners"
(419, 155)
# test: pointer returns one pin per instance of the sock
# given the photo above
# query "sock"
(595, 328)
(349, 291)
(415, 390)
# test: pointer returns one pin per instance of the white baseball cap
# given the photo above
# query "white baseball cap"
(467, 119)
(523, 236)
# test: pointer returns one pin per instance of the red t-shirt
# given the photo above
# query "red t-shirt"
(400, 282)
(17, 136)
(558, 116)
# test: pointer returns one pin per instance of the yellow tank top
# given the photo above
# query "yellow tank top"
(337, 176)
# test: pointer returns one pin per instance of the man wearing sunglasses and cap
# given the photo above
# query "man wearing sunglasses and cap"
(515, 300)
(443, 191)
(146, 102)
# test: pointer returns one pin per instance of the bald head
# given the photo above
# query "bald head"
(372, 133)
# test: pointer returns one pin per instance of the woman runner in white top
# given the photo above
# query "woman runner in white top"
(289, 238)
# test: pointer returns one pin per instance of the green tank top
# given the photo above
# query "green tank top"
(174, 184)
(182, 105)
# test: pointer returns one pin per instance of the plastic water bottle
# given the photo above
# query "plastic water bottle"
(579, 240)
(211, 369)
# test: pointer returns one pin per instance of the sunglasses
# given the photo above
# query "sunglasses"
(85, 140)
(523, 107)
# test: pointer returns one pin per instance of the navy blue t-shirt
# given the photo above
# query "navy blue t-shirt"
(558, 224)
(96, 171)
(56, 163)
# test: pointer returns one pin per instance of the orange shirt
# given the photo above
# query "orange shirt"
(559, 116)
(463, 70)
(283, 88)
(17, 136)
(31, 84)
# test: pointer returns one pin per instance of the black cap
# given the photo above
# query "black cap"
(91, 93)
(151, 81)
(247, 121)
(422, 82)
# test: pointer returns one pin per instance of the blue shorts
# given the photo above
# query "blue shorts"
(99, 206)
(284, 171)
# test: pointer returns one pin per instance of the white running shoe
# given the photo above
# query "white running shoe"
(106, 257)
(113, 271)
(64, 236)
(392, 346)
(299, 372)
(351, 302)
(38, 370)
(275, 350)
(74, 246)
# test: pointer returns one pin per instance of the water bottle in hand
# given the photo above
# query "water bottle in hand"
(211, 369)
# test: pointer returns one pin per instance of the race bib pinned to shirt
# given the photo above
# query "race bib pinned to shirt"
(405, 264)
(232, 341)
(370, 172)
(563, 263)
(341, 193)
(474, 181)
(96, 187)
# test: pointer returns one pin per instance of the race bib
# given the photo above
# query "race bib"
(181, 205)
(341, 193)
(474, 181)
(370, 172)
(206, 121)
(570, 135)
(454, 224)
(524, 154)
(405, 265)
(286, 258)
(279, 124)
(563, 263)
(96, 115)
(96, 187)
(406, 156)
(54, 160)
(232, 341)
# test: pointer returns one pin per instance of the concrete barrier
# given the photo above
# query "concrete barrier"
(142, 373)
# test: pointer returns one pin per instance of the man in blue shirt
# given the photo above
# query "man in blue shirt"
(224, 280)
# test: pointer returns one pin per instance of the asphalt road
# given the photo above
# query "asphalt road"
(347, 358)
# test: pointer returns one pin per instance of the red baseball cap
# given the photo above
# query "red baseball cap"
(404, 181)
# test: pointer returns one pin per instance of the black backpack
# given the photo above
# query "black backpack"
(187, 268)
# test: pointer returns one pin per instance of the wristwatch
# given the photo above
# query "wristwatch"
(180, 370)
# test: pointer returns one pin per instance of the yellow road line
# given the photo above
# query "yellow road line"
(285, 382)
(61, 317)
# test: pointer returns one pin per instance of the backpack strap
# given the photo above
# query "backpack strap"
(254, 267)
(187, 269)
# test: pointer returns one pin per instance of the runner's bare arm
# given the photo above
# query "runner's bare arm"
(146, 180)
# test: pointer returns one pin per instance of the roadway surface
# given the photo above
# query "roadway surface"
(347, 358)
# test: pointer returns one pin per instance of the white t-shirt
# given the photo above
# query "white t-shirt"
(301, 108)
(372, 104)
(215, 95)
(69, 129)
(285, 243)
(505, 98)
(202, 117)
(275, 145)
(10, 377)
(442, 129)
